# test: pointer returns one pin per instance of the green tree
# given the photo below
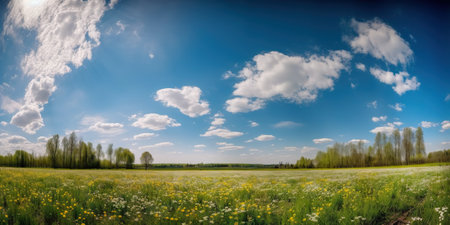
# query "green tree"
(397, 146)
(52, 150)
(420, 145)
(408, 147)
(146, 159)
(110, 152)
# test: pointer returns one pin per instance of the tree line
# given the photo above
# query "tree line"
(74, 153)
(400, 148)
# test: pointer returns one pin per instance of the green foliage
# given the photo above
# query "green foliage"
(344, 196)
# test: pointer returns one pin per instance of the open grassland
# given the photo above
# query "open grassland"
(419, 195)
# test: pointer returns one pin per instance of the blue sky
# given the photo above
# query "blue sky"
(205, 81)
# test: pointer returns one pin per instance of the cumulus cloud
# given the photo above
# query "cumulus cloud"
(378, 119)
(16, 139)
(186, 99)
(322, 140)
(295, 78)
(143, 136)
(160, 145)
(397, 123)
(223, 133)
(106, 128)
(357, 141)
(428, 124)
(218, 122)
(239, 104)
(387, 129)
(10, 143)
(400, 81)
(253, 124)
(380, 41)
(28, 118)
(285, 124)
(216, 130)
(154, 121)
(9, 105)
(361, 66)
(4, 123)
(445, 125)
(397, 107)
(265, 137)
(42, 139)
(66, 32)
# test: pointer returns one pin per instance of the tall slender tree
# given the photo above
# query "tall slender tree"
(397, 146)
(420, 145)
(110, 152)
(408, 147)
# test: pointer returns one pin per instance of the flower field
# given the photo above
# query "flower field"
(415, 195)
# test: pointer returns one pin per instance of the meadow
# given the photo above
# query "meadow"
(407, 195)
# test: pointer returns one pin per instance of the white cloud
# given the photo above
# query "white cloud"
(447, 98)
(265, 137)
(445, 143)
(160, 145)
(106, 128)
(322, 140)
(42, 139)
(378, 119)
(284, 124)
(186, 99)
(224, 146)
(215, 130)
(10, 143)
(66, 32)
(397, 123)
(200, 146)
(16, 139)
(154, 121)
(356, 141)
(352, 85)
(427, 124)
(381, 41)
(218, 121)
(397, 107)
(361, 66)
(9, 105)
(143, 136)
(400, 80)
(4, 123)
(239, 104)
(28, 118)
(151, 55)
(253, 124)
(199, 150)
(373, 104)
(387, 129)
(296, 78)
(445, 125)
(223, 133)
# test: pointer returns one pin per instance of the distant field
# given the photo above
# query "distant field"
(418, 195)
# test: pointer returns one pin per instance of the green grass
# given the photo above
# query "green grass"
(324, 196)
